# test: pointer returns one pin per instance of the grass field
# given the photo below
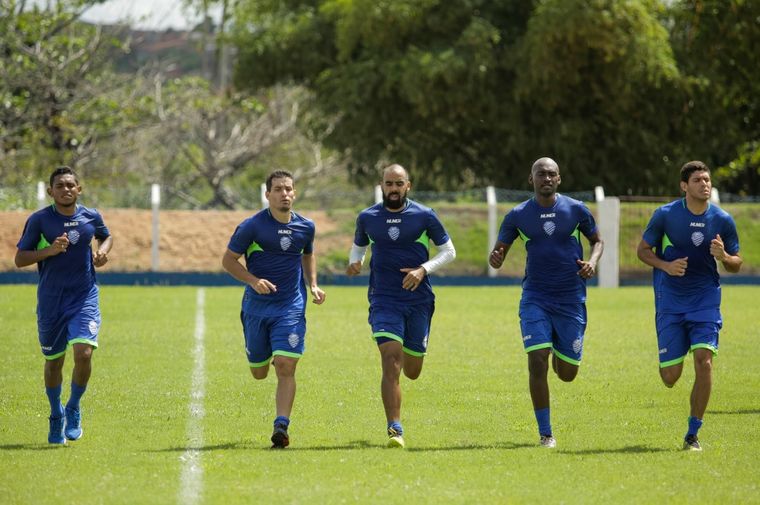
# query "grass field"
(470, 431)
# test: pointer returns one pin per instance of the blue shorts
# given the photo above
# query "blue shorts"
(273, 336)
(72, 322)
(408, 324)
(677, 334)
(559, 326)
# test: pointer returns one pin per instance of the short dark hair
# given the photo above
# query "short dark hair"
(277, 174)
(691, 167)
(63, 171)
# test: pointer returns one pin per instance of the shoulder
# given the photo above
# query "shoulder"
(371, 211)
(522, 207)
(571, 202)
(303, 220)
(90, 212)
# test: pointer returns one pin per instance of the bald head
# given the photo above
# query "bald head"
(544, 163)
(396, 170)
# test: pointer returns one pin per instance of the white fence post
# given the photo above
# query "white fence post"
(491, 201)
(155, 204)
(41, 195)
(378, 194)
(608, 211)
(264, 201)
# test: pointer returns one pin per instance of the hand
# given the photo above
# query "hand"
(413, 278)
(100, 258)
(59, 245)
(677, 267)
(318, 296)
(496, 258)
(354, 269)
(717, 249)
(587, 270)
(264, 287)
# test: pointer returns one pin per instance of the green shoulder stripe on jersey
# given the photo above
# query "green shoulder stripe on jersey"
(253, 248)
(523, 236)
(572, 361)
(424, 240)
(576, 233)
(666, 364)
(43, 243)
(666, 243)
(413, 353)
(370, 240)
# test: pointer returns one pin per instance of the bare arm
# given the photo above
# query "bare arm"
(26, 258)
(100, 257)
(646, 254)
(732, 263)
(499, 252)
(309, 264)
(231, 263)
(588, 268)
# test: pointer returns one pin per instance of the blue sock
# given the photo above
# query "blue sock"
(282, 420)
(76, 394)
(54, 396)
(694, 425)
(396, 426)
(544, 424)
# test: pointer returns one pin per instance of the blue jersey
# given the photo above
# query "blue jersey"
(399, 240)
(71, 274)
(552, 237)
(273, 251)
(677, 233)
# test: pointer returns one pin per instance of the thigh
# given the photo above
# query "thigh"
(287, 335)
(84, 322)
(256, 335)
(387, 323)
(536, 327)
(569, 328)
(703, 329)
(672, 338)
(417, 319)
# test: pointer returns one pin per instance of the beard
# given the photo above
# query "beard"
(394, 204)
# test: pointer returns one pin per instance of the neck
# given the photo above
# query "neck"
(67, 210)
(279, 215)
(546, 201)
(696, 206)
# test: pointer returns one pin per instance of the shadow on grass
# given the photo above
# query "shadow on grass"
(734, 412)
(354, 445)
(632, 449)
(32, 447)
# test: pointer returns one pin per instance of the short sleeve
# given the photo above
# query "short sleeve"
(31, 235)
(508, 230)
(360, 235)
(435, 229)
(655, 229)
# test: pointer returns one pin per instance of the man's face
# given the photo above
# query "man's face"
(395, 187)
(282, 194)
(699, 186)
(65, 190)
(545, 179)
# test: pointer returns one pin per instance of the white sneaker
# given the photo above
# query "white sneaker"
(548, 441)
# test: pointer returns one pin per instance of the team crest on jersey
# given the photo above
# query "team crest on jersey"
(697, 238)
(394, 232)
(577, 344)
(285, 242)
(293, 340)
(73, 236)
(93, 327)
(549, 227)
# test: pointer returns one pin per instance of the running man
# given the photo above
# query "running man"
(58, 239)
(553, 303)
(279, 256)
(691, 236)
(401, 299)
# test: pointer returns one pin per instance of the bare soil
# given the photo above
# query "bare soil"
(190, 241)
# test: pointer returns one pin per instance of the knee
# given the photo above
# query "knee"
(703, 362)
(285, 367)
(537, 367)
(260, 372)
(669, 377)
(567, 374)
(412, 374)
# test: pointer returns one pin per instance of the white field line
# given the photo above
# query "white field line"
(191, 482)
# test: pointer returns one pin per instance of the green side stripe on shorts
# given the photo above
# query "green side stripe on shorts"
(287, 354)
(704, 346)
(387, 335)
(565, 358)
(666, 364)
(413, 353)
(538, 346)
(259, 364)
(83, 341)
(54, 356)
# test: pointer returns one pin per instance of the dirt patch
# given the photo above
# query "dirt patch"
(190, 241)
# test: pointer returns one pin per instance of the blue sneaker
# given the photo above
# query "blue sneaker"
(280, 438)
(55, 436)
(73, 429)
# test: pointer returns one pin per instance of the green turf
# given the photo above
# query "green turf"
(470, 431)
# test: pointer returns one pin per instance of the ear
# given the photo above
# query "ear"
(684, 186)
(50, 191)
(559, 179)
(530, 179)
